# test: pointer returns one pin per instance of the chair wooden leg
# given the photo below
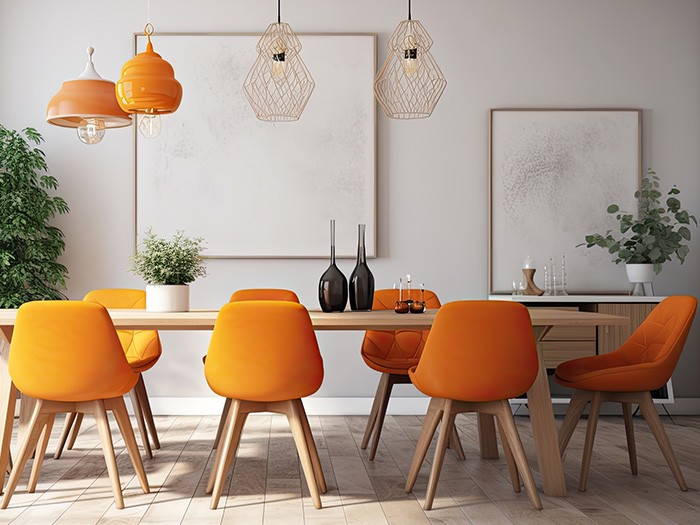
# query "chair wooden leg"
(39, 453)
(448, 418)
(226, 452)
(294, 416)
(315, 460)
(76, 430)
(430, 424)
(510, 460)
(657, 428)
(36, 425)
(455, 444)
(222, 422)
(590, 438)
(122, 416)
(70, 419)
(372, 419)
(147, 413)
(140, 421)
(507, 423)
(577, 404)
(629, 432)
(108, 450)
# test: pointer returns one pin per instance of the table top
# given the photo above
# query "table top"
(372, 320)
(600, 298)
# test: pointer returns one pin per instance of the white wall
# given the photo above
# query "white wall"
(432, 173)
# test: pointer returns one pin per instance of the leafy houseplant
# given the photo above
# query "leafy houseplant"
(29, 245)
(658, 233)
(168, 267)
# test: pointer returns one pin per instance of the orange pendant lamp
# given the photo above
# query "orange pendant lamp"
(88, 104)
(148, 87)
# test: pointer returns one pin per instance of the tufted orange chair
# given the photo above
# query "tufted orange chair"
(264, 357)
(644, 362)
(251, 294)
(67, 356)
(392, 353)
(479, 354)
(142, 350)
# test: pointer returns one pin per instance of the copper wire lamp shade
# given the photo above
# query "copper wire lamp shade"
(278, 85)
(410, 83)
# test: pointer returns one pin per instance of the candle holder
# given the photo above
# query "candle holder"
(531, 288)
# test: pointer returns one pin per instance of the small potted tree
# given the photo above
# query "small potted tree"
(29, 245)
(168, 267)
(658, 233)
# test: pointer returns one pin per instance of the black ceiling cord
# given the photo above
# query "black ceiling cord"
(409, 9)
(279, 16)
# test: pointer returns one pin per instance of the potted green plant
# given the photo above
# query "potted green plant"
(168, 266)
(658, 233)
(29, 245)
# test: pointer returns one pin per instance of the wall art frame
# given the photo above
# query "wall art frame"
(256, 189)
(552, 172)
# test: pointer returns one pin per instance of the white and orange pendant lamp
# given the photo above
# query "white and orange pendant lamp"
(88, 104)
(278, 85)
(148, 88)
(410, 83)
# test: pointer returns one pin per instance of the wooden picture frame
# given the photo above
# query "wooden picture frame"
(256, 189)
(552, 174)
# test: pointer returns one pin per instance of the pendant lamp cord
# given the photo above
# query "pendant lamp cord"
(279, 16)
(409, 9)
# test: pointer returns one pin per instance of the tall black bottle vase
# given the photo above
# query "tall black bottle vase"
(361, 279)
(333, 286)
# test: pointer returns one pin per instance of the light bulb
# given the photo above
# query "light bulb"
(91, 130)
(150, 126)
(410, 55)
(279, 65)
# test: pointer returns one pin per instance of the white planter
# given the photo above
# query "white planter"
(167, 298)
(640, 277)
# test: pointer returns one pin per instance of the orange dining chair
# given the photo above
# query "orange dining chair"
(393, 353)
(66, 355)
(251, 294)
(142, 349)
(264, 356)
(478, 355)
(644, 362)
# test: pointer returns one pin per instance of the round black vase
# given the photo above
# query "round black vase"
(333, 286)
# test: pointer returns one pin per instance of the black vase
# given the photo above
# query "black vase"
(333, 286)
(361, 278)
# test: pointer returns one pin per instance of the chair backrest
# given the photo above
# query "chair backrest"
(264, 294)
(140, 346)
(263, 351)
(660, 339)
(68, 351)
(478, 351)
(396, 351)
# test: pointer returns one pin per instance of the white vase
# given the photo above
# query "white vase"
(167, 297)
(641, 277)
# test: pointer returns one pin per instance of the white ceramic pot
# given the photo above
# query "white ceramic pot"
(167, 298)
(640, 273)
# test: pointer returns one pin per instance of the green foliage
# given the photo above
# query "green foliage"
(178, 261)
(657, 234)
(29, 245)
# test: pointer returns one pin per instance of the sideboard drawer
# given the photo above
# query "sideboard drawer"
(571, 333)
(556, 352)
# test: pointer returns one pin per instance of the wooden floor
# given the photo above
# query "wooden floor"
(267, 487)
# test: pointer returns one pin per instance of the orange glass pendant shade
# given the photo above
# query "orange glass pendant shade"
(148, 85)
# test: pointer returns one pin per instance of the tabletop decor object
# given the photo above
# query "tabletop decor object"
(29, 245)
(361, 278)
(333, 286)
(659, 232)
(168, 267)
(410, 83)
(529, 272)
(279, 84)
(88, 104)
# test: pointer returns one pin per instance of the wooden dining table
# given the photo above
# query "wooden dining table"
(539, 397)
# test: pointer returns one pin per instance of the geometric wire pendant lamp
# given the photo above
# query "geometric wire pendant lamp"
(410, 83)
(278, 85)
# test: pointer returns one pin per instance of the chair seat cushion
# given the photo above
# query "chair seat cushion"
(600, 373)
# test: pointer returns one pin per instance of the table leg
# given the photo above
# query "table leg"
(8, 398)
(539, 403)
(487, 436)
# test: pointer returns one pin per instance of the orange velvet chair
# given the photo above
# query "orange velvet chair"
(251, 294)
(67, 356)
(644, 362)
(264, 356)
(393, 353)
(142, 349)
(478, 355)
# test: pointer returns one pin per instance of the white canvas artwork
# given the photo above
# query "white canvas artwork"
(553, 175)
(261, 189)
